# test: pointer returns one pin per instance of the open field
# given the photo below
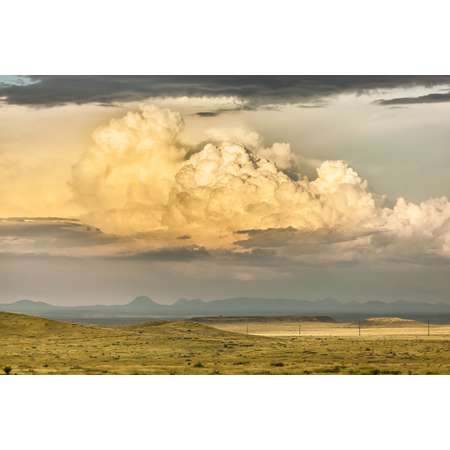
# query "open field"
(378, 329)
(30, 345)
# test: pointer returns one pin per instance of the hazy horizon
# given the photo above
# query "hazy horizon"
(172, 302)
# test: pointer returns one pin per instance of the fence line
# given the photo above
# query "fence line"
(359, 329)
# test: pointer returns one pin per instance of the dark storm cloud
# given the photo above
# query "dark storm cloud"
(44, 237)
(169, 254)
(208, 113)
(429, 98)
(257, 90)
(42, 234)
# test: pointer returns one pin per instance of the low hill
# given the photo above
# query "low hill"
(262, 319)
(30, 326)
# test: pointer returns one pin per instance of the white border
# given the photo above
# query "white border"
(232, 37)
(220, 412)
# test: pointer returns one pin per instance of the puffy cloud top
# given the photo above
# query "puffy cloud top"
(139, 178)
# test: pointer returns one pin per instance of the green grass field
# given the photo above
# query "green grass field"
(31, 345)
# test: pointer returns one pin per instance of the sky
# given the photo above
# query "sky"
(211, 187)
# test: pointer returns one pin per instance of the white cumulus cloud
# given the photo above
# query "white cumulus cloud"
(139, 178)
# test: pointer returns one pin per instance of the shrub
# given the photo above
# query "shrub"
(7, 370)
(277, 364)
(198, 365)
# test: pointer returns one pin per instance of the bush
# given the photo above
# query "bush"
(198, 365)
(7, 370)
(277, 364)
(334, 369)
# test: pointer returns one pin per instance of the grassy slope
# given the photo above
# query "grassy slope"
(34, 345)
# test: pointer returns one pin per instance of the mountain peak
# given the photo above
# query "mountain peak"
(29, 302)
(26, 305)
(142, 301)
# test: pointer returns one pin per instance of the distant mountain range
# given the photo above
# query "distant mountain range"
(144, 307)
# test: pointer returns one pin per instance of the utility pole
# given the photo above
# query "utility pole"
(247, 327)
(428, 327)
(359, 328)
(299, 329)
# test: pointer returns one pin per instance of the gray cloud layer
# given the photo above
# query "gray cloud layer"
(49, 235)
(257, 90)
(429, 98)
